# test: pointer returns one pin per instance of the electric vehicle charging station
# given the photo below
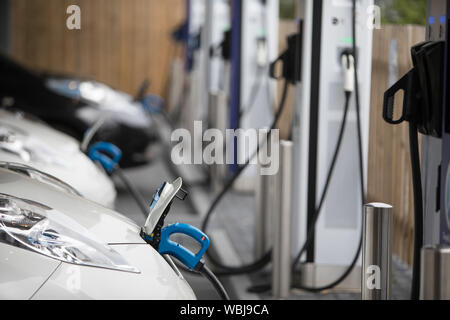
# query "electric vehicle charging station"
(217, 73)
(217, 23)
(320, 99)
(240, 76)
(194, 108)
(433, 162)
(436, 176)
(436, 159)
(445, 166)
(425, 107)
(254, 45)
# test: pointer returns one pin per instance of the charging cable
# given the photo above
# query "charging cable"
(261, 263)
(351, 84)
(291, 74)
(90, 133)
(192, 262)
(349, 64)
(109, 156)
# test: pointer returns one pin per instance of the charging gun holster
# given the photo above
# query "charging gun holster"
(423, 90)
(291, 59)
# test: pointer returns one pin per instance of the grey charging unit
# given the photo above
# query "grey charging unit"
(193, 109)
(216, 75)
(434, 161)
(436, 177)
(254, 46)
(318, 114)
(442, 30)
(217, 22)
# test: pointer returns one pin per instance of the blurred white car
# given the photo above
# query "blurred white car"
(33, 143)
(56, 245)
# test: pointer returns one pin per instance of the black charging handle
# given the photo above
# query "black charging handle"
(423, 90)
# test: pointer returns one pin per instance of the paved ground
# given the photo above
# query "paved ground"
(234, 214)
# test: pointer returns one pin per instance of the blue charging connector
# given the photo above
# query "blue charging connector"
(107, 154)
(152, 103)
(169, 247)
(194, 262)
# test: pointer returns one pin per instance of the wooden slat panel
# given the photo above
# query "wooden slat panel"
(121, 43)
(389, 173)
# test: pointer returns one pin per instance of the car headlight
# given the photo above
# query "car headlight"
(39, 176)
(33, 226)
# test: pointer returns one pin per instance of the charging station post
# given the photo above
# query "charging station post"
(319, 106)
(281, 257)
(435, 280)
(377, 252)
(264, 197)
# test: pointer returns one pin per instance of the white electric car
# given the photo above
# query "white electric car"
(32, 143)
(56, 245)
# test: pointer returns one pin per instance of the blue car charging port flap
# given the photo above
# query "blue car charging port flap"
(107, 154)
(169, 247)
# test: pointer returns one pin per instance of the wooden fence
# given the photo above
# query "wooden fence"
(389, 176)
(121, 42)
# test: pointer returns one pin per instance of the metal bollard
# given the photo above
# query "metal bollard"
(281, 256)
(264, 197)
(263, 240)
(435, 273)
(377, 252)
(218, 120)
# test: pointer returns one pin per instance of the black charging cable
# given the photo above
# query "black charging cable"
(209, 275)
(310, 235)
(422, 109)
(418, 209)
(204, 271)
(408, 84)
(254, 93)
(291, 74)
(311, 229)
(266, 259)
(143, 207)
(202, 268)
(361, 169)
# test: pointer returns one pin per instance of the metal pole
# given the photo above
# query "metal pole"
(281, 256)
(218, 120)
(377, 252)
(264, 197)
(435, 277)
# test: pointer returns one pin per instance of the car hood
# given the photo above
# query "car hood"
(28, 275)
(101, 100)
(107, 226)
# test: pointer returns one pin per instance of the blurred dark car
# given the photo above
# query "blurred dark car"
(75, 105)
